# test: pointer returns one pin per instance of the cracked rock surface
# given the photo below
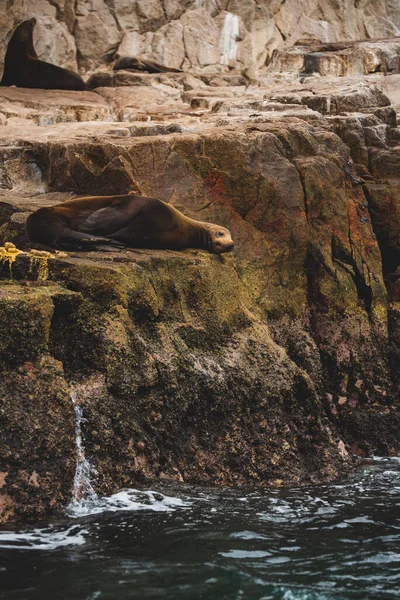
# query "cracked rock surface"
(274, 364)
(201, 35)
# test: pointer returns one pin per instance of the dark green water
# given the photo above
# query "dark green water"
(326, 542)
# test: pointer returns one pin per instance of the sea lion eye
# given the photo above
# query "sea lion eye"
(220, 234)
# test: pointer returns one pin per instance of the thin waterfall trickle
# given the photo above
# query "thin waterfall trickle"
(83, 489)
(229, 36)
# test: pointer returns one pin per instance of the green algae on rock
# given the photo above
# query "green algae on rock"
(176, 376)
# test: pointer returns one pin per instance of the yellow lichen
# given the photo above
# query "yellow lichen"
(8, 253)
(39, 262)
(38, 259)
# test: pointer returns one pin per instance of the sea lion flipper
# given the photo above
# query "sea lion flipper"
(82, 241)
(110, 219)
(104, 221)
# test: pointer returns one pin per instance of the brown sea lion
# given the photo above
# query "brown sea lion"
(110, 222)
(23, 68)
(139, 64)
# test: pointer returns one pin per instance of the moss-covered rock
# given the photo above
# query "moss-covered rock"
(37, 450)
(177, 377)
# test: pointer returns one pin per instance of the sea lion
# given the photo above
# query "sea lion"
(112, 222)
(23, 68)
(139, 64)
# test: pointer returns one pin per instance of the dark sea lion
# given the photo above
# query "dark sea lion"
(139, 64)
(101, 222)
(23, 68)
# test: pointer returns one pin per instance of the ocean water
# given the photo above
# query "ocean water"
(325, 542)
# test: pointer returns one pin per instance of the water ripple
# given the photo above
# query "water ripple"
(326, 542)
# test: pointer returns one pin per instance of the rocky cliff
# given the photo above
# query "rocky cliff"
(273, 365)
(191, 34)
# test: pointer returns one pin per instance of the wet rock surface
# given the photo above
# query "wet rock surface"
(273, 364)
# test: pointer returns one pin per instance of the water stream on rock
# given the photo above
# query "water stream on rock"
(83, 489)
(325, 542)
(228, 43)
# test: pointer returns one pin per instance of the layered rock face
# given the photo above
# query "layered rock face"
(339, 59)
(191, 34)
(270, 365)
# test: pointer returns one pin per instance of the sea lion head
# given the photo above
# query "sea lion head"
(136, 63)
(220, 238)
(25, 30)
(21, 42)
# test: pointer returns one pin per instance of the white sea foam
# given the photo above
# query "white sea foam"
(294, 594)
(379, 459)
(43, 539)
(127, 500)
(245, 554)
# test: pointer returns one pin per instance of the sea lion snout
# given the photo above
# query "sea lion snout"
(221, 240)
(28, 27)
(25, 30)
(220, 249)
(229, 247)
